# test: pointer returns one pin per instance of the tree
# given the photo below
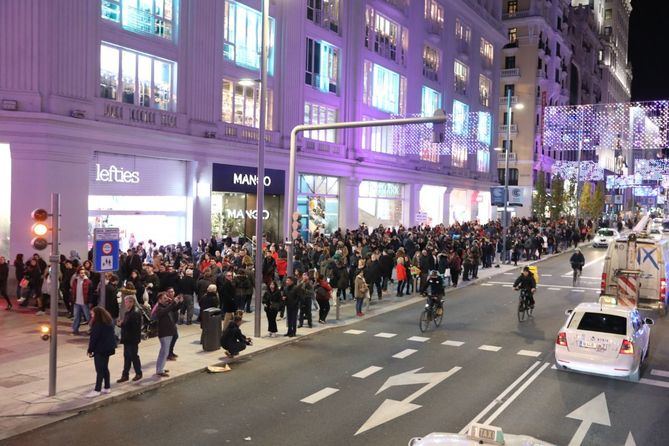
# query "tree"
(585, 204)
(558, 199)
(540, 199)
(598, 201)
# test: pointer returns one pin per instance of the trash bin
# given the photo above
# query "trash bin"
(211, 329)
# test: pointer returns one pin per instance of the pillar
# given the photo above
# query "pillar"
(349, 188)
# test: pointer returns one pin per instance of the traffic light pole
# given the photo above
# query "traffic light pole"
(54, 260)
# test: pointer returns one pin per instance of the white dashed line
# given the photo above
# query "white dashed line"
(654, 382)
(662, 373)
(321, 394)
(531, 353)
(385, 335)
(508, 274)
(486, 284)
(578, 291)
(418, 339)
(354, 332)
(404, 353)
(362, 374)
(554, 289)
(453, 343)
(546, 275)
(490, 348)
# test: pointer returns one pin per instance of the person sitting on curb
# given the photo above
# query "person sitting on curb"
(233, 340)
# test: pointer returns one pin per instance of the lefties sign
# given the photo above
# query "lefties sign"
(113, 174)
(228, 178)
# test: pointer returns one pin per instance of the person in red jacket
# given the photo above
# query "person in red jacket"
(80, 292)
(401, 272)
(323, 294)
(281, 268)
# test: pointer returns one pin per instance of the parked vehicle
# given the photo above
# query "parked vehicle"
(604, 237)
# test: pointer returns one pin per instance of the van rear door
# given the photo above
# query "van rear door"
(651, 263)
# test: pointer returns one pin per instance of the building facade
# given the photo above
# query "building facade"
(143, 114)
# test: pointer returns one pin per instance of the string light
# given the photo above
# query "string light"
(568, 170)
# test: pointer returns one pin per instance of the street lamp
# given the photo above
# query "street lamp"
(509, 112)
(260, 183)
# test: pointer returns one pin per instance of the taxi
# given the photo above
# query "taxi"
(604, 338)
(477, 434)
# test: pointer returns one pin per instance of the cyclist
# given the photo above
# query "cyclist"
(577, 261)
(526, 283)
(435, 287)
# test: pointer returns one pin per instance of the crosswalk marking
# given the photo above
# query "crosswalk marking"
(354, 332)
(529, 353)
(490, 348)
(362, 374)
(418, 339)
(453, 343)
(321, 394)
(662, 373)
(654, 382)
(404, 353)
(385, 335)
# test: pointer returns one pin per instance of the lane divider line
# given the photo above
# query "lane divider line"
(385, 335)
(404, 353)
(321, 394)
(362, 374)
(354, 332)
(490, 348)
(418, 339)
(654, 382)
(529, 353)
(662, 373)
(453, 343)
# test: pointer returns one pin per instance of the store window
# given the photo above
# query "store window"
(460, 118)
(318, 200)
(384, 89)
(242, 34)
(151, 17)
(241, 104)
(144, 80)
(483, 161)
(431, 63)
(380, 139)
(461, 77)
(380, 203)
(322, 66)
(324, 13)
(485, 90)
(320, 114)
(386, 37)
(5, 198)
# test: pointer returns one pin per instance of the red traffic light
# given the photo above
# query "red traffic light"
(39, 214)
(39, 243)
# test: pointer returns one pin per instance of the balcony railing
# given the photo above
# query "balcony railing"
(460, 86)
(434, 27)
(501, 157)
(503, 128)
(246, 134)
(322, 147)
(541, 74)
(502, 101)
(401, 5)
(534, 10)
(510, 72)
(430, 73)
(108, 110)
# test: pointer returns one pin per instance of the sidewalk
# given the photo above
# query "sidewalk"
(24, 358)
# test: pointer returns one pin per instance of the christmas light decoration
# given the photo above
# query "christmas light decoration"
(568, 170)
(653, 169)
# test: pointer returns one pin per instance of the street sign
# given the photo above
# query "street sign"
(421, 217)
(106, 249)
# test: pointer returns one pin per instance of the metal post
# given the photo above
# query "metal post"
(578, 180)
(54, 260)
(439, 117)
(506, 174)
(260, 183)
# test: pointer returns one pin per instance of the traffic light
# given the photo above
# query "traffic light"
(39, 229)
(296, 225)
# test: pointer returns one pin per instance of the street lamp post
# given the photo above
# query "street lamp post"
(506, 150)
(260, 183)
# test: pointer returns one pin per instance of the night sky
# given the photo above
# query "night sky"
(649, 27)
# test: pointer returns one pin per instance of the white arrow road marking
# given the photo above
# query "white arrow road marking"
(661, 373)
(453, 343)
(529, 353)
(362, 374)
(594, 411)
(418, 339)
(630, 440)
(385, 335)
(404, 353)
(490, 348)
(391, 409)
(321, 394)
(354, 332)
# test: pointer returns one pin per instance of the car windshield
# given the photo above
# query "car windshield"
(603, 323)
(605, 232)
(654, 231)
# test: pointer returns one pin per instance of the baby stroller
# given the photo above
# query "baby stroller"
(149, 326)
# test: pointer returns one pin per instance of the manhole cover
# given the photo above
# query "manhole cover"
(17, 380)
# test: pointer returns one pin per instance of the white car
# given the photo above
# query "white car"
(604, 339)
(477, 434)
(603, 237)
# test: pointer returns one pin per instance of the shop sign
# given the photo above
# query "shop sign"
(248, 213)
(228, 178)
(113, 174)
(515, 196)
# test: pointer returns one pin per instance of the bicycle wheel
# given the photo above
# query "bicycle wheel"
(521, 311)
(438, 316)
(425, 318)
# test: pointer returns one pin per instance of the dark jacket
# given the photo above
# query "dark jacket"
(186, 285)
(102, 340)
(272, 299)
(232, 339)
(293, 295)
(4, 273)
(166, 325)
(131, 327)
(525, 283)
(209, 300)
(226, 293)
(111, 302)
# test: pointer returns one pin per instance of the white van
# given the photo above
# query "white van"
(636, 270)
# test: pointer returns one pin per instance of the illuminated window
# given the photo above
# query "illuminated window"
(144, 80)
(242, 33)
(379, 139)
(459, 155)
(484, 128)
(461, 77)
(386, 37)
(431, 62)
(463, 32)
(241, 104)
(431, 101)
(513, 35)
(153, 17)
(320, 114)
(512, 7)
(434, 12)
(460, 118)
(487, 51)
(485, 89)
(324, 13)
(322, 66)
(384, 89)
(483, 161)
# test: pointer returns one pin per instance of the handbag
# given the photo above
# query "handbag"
(24, 283)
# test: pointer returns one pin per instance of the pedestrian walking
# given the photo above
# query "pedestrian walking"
(307, 291)
(361, 293)
(131, 336)
(80, 289)
(273, 302)
(101, 345)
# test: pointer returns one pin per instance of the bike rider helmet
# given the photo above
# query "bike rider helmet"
(434, 272)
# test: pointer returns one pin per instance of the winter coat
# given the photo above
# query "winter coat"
(209, 300)
(361, 288)
(166, 325)
(102, 340)
(131, 327)
(272, 299)
(401, 272)
(293, 295)
(323, 291)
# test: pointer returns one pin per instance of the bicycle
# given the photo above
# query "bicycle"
(433, 312)
(577, 273)
(524, 307)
